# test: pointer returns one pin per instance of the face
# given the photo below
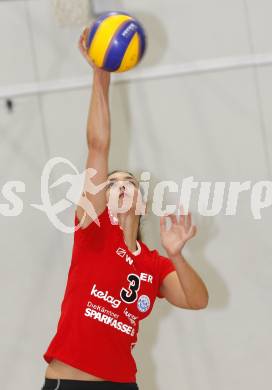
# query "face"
(125, 188)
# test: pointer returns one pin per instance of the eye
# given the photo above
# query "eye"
(109, 185)
(133, 182)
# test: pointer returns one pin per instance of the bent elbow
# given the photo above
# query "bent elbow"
(202, 304)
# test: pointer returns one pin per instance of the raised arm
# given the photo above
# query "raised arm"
(183, 288)
(98, 135)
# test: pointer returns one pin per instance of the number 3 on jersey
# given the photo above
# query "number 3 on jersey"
(130, 296)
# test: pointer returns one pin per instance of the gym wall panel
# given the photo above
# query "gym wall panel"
(184, 30)
(32, 250)
(16, 65)
(258, 13)
(55, 47)
(265, 83)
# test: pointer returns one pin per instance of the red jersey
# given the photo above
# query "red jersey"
(109, 290)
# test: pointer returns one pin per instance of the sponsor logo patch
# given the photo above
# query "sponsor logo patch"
(143, 303)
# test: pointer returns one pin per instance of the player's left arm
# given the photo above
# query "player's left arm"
(183, 287)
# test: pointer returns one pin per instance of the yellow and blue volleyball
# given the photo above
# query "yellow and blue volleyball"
(116, 42)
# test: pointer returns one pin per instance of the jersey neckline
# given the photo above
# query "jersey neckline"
(138, 250)
(139, 247)
(114, 222)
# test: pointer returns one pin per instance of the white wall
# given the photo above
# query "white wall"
(214, 126)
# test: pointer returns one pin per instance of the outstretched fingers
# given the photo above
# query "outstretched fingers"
(82, 40)
(186, 222)
(173, 218)
(162, 224)
(192, 231)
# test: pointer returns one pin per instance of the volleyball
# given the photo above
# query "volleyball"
(116, 42)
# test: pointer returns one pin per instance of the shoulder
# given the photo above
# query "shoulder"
(152, 256)
(97, 224)
(145, 249)
(162, 263)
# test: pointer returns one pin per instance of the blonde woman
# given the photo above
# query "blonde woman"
(114, 278)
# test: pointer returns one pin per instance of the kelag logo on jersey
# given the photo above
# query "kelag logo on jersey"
(143, 303)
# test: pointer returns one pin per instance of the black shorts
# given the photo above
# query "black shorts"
(73, 384)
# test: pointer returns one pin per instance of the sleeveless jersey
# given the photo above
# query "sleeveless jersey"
(109, 290)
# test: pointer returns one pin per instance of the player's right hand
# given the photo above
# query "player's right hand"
(82, 45)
